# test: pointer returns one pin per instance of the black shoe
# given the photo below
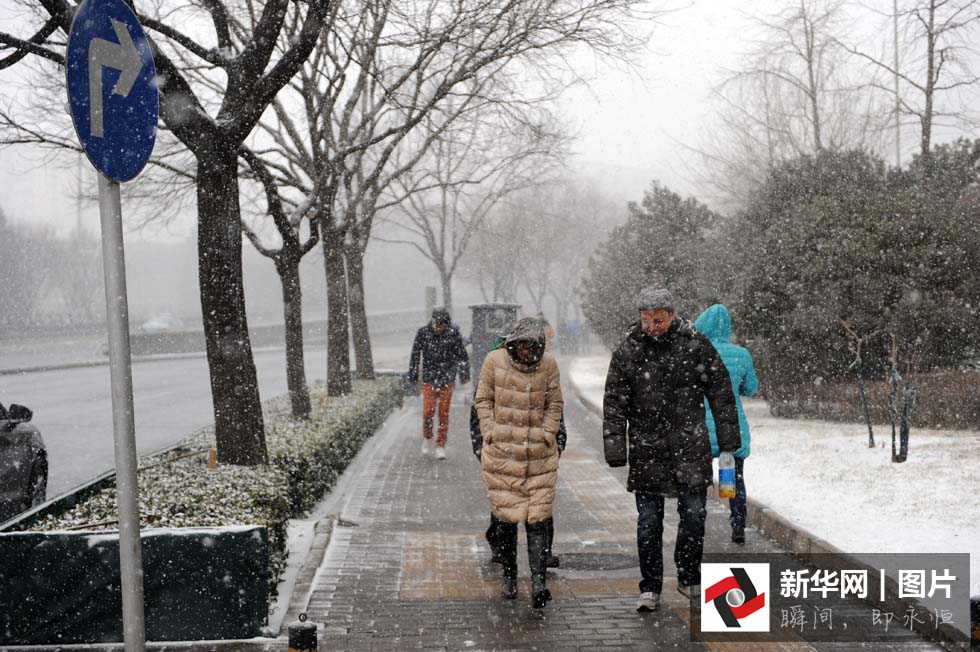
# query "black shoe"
(508, 588)
(553, 561)
(738, 535)
(540, 599)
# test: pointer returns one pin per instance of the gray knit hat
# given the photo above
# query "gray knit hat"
(652, 298)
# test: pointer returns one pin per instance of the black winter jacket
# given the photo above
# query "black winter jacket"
(442, 357)
(653, 409)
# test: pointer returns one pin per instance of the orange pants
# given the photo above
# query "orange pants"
(430, 397)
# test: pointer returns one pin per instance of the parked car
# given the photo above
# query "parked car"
(23, 462)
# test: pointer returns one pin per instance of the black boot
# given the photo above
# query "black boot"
(553, 561)
(493, 539)
(537, 553)
(506, 540)
(738, 535)
(508, 587)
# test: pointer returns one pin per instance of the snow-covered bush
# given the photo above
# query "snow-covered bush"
(177, 489)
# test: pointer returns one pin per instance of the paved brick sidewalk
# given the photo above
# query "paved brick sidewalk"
(408, 568)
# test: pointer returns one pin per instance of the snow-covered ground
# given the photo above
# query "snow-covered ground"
(823, 477)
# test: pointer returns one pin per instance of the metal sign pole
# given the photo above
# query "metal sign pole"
(123, 422)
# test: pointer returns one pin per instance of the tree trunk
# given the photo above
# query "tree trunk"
(239, 429)
(447, 291)
(338, 331)
(292, 302)
(363, 357)
(813, 89)
(926, 137)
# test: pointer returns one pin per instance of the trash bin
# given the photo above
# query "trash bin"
(490, 320)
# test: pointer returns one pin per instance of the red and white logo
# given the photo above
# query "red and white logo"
(734, 597)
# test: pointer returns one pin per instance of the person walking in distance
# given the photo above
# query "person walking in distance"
(653, 418)
(519, 403)
(716, 324)
(438, 355)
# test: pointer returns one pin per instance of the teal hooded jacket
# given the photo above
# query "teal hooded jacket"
(716, 324)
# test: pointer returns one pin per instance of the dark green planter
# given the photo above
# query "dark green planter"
(199, 584)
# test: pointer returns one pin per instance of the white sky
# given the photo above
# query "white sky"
(623, 120)
(638, 122)
(631, 125)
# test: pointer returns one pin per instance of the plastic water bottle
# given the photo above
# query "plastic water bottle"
(726, 476)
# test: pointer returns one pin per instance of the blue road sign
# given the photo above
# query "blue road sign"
(112, 88)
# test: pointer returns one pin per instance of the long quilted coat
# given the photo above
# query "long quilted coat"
(519, 408)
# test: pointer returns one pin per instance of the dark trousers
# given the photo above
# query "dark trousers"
(737, 505)
(690, 538)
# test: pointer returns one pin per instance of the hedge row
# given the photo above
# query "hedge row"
(947, 400)
(177, 489)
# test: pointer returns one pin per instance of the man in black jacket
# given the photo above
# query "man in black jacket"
(439, 351)
(653, 418)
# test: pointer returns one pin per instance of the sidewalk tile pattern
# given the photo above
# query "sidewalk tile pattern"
(409, 568)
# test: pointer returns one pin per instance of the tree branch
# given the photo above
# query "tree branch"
(31, 45)
(207, 54)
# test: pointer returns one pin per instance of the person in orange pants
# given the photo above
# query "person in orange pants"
(434, 398)
(438, 355)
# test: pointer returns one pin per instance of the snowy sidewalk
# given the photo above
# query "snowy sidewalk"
(407, 566)
(823, 477)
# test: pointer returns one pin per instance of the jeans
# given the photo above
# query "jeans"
(690, 538)
(737, 504)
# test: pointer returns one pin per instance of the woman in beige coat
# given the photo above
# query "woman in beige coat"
(519, 403)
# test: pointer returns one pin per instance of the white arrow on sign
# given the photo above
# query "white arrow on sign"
(122, 56)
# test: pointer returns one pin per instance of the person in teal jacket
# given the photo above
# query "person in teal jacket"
(716, 324)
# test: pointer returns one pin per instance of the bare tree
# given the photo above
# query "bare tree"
(382, 71)
(287, 258)
(493, 273)
(474, 165)
(793, 94)
(212, 121)
(582, 218)
(540, 239)
(932, 60)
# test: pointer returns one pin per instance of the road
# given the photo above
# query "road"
(172, 398)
